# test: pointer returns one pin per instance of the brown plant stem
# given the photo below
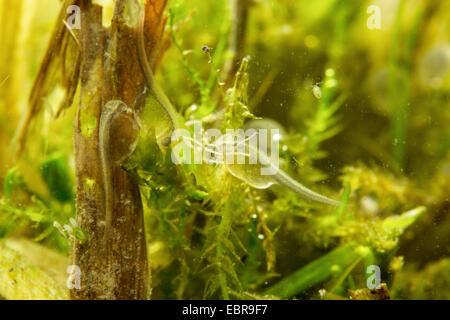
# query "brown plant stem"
(116, 268)
(237, 40)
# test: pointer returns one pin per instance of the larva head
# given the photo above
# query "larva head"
(123, 131)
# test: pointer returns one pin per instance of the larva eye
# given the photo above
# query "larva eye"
(206, 49)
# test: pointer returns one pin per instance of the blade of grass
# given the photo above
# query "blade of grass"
(314, 273)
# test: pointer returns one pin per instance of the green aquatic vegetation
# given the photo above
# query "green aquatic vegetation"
(341, 261)
(55, 173)
(400, 73)
(42, 212)
(315, 272)
(430, 283)
(325, 123)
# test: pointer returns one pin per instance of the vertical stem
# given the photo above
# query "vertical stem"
(117, 269)
(400, 72)
(222, 233)
(239, 17)
(398, 92)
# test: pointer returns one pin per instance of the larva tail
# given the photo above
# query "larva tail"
(284, 179)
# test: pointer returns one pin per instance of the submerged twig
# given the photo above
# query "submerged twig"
(237, 40)
(44, 83)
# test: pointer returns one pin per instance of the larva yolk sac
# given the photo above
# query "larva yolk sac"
(251, 175)
(124, 136)
(251, 172)
(250, 163)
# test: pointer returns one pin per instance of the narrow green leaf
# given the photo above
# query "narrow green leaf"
(314, 273)
(401, 222)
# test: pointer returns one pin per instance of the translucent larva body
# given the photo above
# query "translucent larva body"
(317, 91)
(252, 175)
(118, 138)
